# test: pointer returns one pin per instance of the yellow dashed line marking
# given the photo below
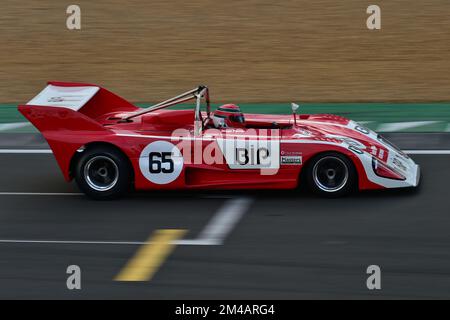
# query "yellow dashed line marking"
(149, 258)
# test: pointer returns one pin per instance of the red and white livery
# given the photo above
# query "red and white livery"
(110, 146)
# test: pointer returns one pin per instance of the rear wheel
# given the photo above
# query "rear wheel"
(103, 173)
(331, 174)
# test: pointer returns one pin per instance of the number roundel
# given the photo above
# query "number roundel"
(161, 162)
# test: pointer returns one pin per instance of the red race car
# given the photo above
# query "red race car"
(110, 146)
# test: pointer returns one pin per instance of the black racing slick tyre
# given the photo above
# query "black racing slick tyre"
(103, 173)
(331, 174)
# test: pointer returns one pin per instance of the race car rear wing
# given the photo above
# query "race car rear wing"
(89, 99)
(73, 106)
(70, 97)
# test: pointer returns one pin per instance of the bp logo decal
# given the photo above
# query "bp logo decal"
(161, 162)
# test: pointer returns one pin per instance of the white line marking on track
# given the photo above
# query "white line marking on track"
(398, 126)
(132, 243)
(428, 152)
(25, 151)
(224, 221)
(195, 242)
(71, 242)
(14, 125)
(40, 194)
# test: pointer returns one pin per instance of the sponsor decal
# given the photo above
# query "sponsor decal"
(302, 134)
(291, 160)
(246, 151)
(161, 162)
(250, 154)
(348, 140)
(399, 164)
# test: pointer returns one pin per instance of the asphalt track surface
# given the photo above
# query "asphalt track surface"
(287, 245)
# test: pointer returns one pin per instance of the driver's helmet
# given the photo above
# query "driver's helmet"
(228, 116)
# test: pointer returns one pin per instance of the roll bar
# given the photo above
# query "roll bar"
(197, 93)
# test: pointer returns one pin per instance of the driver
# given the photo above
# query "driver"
(228, 116)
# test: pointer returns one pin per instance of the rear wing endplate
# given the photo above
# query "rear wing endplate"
(71, 97)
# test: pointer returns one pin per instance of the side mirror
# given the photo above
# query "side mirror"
(294, 107)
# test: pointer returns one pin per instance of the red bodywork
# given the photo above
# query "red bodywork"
(100, 121)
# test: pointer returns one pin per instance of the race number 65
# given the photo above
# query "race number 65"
(161, 162)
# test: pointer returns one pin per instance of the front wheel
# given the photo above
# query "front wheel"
(332, 175)
(103, 173)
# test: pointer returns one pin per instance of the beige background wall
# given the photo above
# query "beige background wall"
(316, 50)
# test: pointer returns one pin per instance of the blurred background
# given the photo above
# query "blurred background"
(246, 51)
